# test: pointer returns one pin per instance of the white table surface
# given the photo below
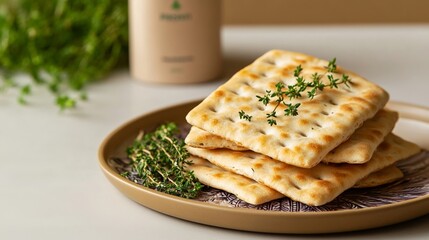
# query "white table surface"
(51, 186)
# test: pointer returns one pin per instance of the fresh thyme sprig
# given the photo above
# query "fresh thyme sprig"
(284, 92)
(245, 116)
(63, 45)
(159, 160)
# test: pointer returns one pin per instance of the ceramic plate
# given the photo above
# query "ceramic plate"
(355, 209)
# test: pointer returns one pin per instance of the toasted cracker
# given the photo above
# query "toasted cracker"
(357, 149)
(244, 188)
(384, 176)
(322, 124)
(315, 186)
(256, 193)
(202, 139)
(362, 143)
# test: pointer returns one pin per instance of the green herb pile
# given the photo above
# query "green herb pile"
(159, 162)
(283, 92)
(62, 44)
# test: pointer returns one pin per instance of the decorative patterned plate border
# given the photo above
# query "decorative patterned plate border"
(355, 209)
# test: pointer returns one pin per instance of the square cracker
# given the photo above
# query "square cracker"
(384, 176)
(363, 142)
(256, 193)
(315, 186)
(322, 124)
(357, 149)
(244, 188)
(203, 139)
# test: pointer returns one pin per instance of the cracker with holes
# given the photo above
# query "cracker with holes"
(315, 186)
(357, 149)
(361, 145)
(256, 193)
(244, 188)
(303, 140)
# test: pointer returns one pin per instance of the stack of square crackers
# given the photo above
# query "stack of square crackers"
(340, 139)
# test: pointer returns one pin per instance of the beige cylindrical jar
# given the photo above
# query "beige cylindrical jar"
(175, 41)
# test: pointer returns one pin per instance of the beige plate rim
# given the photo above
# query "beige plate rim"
(251, 219)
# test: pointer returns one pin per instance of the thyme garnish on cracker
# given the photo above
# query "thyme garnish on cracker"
(284, 92)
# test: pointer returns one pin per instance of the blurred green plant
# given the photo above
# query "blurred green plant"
(62, 44)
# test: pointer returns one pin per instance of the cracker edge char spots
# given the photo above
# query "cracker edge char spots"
(244, 188)
(363, 142)
(316, 186)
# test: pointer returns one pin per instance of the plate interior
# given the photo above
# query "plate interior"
(353, 210)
